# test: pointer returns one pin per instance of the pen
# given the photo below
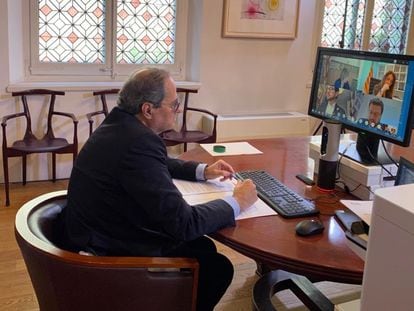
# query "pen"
(233, 179)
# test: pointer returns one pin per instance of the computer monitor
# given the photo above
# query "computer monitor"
(405, 173)
(369, 93)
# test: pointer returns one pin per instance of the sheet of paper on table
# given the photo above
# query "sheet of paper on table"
(363, 209)
(201, 192)
(237, 148)
(202, 187)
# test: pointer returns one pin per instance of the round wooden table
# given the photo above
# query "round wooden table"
(271, 241)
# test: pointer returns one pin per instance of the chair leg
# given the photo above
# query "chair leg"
(6, 178)
(24, 165)
(53, 166)
(185, 147)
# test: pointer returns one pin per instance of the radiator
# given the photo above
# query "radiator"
(232, 127)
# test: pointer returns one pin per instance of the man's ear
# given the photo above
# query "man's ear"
(147, 110)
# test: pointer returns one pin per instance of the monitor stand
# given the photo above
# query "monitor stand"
(358, 151)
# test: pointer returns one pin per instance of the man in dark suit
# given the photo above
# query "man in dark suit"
(121, 197)
(329, 106)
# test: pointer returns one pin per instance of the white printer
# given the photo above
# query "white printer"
(388, 282)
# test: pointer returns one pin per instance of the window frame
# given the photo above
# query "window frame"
(109, 70)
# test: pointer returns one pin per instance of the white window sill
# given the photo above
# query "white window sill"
(83, 86)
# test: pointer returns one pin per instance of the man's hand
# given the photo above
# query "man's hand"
(217, 169)
(245, 193)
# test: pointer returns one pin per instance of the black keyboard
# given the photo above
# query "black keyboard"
(278, 196)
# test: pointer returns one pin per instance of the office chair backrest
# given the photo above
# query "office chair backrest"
(372, 83)
(65, 280)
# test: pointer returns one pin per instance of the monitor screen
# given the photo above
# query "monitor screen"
(369, 93)
(405, 173)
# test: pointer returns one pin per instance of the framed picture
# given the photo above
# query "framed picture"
(260, 18)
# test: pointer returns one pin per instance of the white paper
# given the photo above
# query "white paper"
(202, 192)
(258, 209)
(363, 209)
(200, 187)
(238, 148)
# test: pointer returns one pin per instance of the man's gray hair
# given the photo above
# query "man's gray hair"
(145, 85)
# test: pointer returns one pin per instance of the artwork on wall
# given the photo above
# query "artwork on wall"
(260, 18)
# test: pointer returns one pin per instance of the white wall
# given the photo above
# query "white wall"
(238, 76)
(4, 52)
(242, 76)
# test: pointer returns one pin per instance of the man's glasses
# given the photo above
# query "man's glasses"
(174, 106)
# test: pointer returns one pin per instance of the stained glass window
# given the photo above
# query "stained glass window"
(336, 14)
(72, 31)
(343, 20)
(390, 26)
(145, 32)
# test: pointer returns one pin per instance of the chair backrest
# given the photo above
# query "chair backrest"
(102, 95)
(65, 280)
(185, 136)
(26, 111)
(186, 93)
(372, 83)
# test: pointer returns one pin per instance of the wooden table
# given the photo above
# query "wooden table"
(272, 240)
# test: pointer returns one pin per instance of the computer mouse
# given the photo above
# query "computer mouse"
(309, 227)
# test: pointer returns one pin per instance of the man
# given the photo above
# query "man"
(343, 81)
(121, 198)
(375, 110)
(329, 107)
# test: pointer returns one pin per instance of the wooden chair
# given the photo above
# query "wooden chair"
(102, 94)
(30, 143)
(66, 280)
(185, 136)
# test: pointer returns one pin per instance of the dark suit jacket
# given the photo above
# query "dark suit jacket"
(337, 112)
(121, 198)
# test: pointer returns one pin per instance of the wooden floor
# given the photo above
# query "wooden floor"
(16, 291)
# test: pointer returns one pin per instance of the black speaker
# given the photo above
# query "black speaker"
(328, 160)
